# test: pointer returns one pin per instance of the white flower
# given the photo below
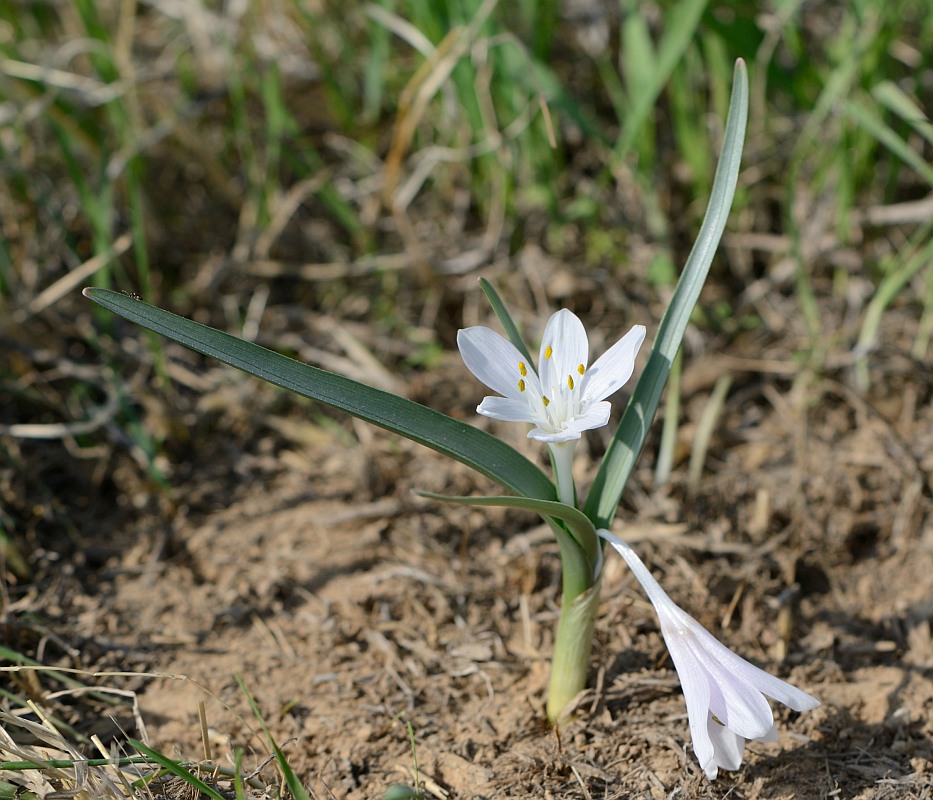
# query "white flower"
(725, 694)
(565, 397)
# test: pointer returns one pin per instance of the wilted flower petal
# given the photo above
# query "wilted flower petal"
(725, 694)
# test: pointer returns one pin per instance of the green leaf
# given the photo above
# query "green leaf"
(505, 319)
(481, 451)
(580, 548)
(398, 791)
(10, 791)
(576, 520)
(630, 437)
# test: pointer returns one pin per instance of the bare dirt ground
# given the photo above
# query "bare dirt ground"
(297, 557)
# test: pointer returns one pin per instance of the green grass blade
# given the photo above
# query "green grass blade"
(473, 447)
(889, 288)
(868, 120)
(630, 437)
(15, 658)
(69, 763)
(505, 319)
(705, 428)
(239, 788)
(665, 462)
(892, 97)
(176, 769)
(682, 24)
(291, 779)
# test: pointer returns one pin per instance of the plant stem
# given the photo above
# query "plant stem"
(572, 645)
(562, 460)
(581, 566)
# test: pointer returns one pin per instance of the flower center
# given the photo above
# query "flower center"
(560, 399)
(560, 392)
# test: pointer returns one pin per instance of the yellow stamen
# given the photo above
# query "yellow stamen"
(570, 382)
(581, 369)
(549, 352)
(546, 401)
(521, 386)
(522, 369)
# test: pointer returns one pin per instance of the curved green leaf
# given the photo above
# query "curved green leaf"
(576, 520)
(481, 451)
(580, 546)
(505, 319)
(630, 437)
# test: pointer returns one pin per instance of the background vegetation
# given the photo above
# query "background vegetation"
(331, 178)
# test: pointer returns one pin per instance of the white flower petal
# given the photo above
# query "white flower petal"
(506, 408)
(595, 416)
(614, 367)
(770, 736)
(740, 706)
(564, 397)
(667, 610)
(553, 437)
(695, 683)
(765, 682)
(493, 359)
(564, 346)
(728, 746)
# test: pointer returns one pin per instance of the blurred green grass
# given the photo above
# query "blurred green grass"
(125, 118)
(111, 111)
(271, 161)
(288, 161)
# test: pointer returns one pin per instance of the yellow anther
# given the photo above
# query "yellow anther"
(570, 382)
(546, 401)
(549, 352)
(521, 386)
(522, 369)
(581, 369)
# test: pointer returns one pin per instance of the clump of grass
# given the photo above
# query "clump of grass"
(40, 756)
(860, 148)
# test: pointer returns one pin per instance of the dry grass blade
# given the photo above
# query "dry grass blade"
(414, 100)
(705, 428)
(77, 277)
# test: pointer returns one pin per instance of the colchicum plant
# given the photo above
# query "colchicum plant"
(561, 396)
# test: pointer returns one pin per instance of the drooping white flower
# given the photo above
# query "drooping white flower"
(725, 694)
(565, 397)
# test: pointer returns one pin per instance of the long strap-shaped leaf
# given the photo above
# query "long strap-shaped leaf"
(630, 437)
(505, 320)
(483, 452)
(580, 548)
